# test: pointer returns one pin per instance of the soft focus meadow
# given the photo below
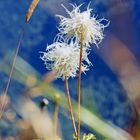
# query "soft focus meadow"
(37, 105)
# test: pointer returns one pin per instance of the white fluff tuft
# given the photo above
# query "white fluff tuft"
(64, 59)
(82, 23)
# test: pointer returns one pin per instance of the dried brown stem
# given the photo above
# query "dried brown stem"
(70, 105)
(55, 119)
(3, 104)
(79, 85)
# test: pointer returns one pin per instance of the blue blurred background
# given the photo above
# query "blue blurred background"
(111, 86)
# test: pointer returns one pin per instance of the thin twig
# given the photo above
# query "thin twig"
(79, 85)
(55, 119)
(70, 105)
(3, 104)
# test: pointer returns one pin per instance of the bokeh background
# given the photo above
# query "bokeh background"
(110, 90)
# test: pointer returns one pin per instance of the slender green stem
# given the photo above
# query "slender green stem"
(79, 85)
(70, 105)
(55, 120)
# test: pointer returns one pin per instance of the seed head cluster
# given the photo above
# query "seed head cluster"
(64, 59)
(63, 55)
(82, 24)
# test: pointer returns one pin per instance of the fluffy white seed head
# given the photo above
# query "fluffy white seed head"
(82, 25)
(64, 59)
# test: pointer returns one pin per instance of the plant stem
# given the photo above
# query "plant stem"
(3, 104)
(55, 119)
(79, 85)
(70, 105)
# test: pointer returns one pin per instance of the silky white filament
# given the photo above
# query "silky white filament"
(82, 23)
(64, 59)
